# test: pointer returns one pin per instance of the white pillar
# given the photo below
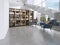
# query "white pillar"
(4, 18)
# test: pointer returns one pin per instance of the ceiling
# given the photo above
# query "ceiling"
(14, 3)
(17, 2)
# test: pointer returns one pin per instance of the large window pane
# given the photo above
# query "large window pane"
(52, 4)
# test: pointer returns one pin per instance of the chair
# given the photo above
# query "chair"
(47, 26)
(44, 25)
(54, 22)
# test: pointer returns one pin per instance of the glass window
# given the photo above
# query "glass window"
(54, 4)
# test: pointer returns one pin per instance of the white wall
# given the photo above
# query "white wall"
(38, 16)
(35, 14)
(4, 18)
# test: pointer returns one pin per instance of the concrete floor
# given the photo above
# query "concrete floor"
(30, 36)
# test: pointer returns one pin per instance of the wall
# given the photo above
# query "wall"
(57, 16)
(59, 4)
(4, 18)
(37, 16)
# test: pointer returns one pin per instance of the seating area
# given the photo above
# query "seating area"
(43, 25)
(54, 22)
(50, 24)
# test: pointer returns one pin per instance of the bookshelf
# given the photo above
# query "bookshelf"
(20, 17)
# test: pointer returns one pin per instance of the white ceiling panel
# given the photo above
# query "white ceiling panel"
(16, 2)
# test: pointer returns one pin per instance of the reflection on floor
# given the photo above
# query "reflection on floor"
(30, 36)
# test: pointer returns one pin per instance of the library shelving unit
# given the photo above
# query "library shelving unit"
(20, 17)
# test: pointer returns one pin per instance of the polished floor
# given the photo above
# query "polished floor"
(31, 36)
